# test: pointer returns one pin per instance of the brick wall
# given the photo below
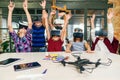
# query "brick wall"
(116, 18)
(0, 24)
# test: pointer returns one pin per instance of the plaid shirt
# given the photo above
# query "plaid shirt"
(22, 44)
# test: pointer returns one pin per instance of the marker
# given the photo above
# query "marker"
(44, 71)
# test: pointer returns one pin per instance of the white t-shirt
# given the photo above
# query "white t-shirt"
(100, 46)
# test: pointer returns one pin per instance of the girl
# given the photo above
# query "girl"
(22, 40)
(78, 43)
(105, 41)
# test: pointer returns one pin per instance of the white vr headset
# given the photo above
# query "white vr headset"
(23, 23)
(59, 21)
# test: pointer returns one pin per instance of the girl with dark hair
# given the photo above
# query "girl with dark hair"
(22, 40)
(78, 44)
(105, 40)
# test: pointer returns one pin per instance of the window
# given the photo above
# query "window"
(97, 12)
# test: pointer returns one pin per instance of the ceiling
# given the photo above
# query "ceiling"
(34, 3)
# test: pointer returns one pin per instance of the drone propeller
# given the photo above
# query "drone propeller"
(108, 63)
(63, 62)
(81, 69)
(78, 58)
(98, 63)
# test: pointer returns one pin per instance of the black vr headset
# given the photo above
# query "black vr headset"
(55, 33)
(101, 33)
(37, 19)
(78, 35)
(58, 27)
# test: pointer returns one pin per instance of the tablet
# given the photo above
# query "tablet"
(25, 66)
(8, 61)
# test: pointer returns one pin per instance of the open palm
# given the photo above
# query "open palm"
(11, 6)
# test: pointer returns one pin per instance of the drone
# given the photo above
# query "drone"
(81, 63)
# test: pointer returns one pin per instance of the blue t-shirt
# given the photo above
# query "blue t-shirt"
(38, 36)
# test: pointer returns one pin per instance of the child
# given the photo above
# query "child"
(58, 23)
(22, 40)
(78, 43)
(105, 40)
(55, 40)
(38, 32)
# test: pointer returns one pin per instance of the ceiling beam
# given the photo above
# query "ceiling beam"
(68, 3)
(50, 0)
(87, 5)
(19, 5)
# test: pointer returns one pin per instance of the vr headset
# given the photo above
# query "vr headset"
(101, 33)
(23, 24)
(55, 33)
(78, 35)
(78, 30)
(37, 19)
(58, 27)
(59, 21)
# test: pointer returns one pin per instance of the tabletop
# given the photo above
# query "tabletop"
(56, 71)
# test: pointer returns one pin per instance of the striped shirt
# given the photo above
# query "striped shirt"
(38, 36)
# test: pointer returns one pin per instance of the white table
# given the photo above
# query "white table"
(57, 71)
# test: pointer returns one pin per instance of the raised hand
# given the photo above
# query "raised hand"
(92, 21)
(93, 18)
(43, 4)
(110, 15)
(25, 4)
(61, 14)
(53, 12)
(68, 16)
(11, 6)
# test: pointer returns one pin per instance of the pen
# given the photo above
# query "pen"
(44, 71)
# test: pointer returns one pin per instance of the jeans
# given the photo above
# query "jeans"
(39, 49)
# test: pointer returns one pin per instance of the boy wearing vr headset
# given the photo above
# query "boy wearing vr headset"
(104, 40)
(58, 23)
(22, 40)
(38, 32)
(78, 43)
(56, 37)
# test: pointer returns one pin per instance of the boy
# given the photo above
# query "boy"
(56, 38)
(38, 32)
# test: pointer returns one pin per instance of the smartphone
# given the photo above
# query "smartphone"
(8, 61)
(25, 66)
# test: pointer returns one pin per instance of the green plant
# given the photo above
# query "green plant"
(6, 46)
